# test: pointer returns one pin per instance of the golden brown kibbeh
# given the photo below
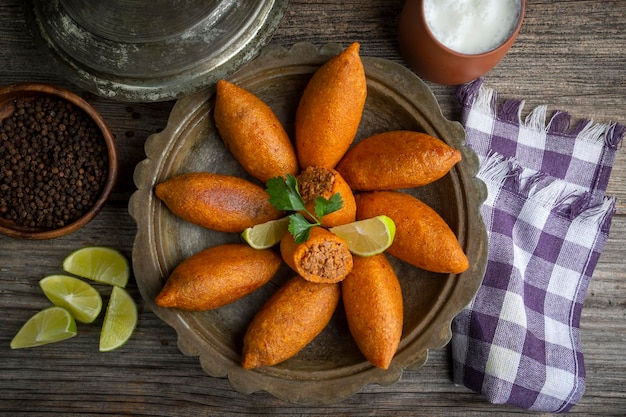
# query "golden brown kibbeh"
(292, 317)
(397, 159)
(323, 258)
(219, 202)
(330, 110)
(372, 299)
(423, 239)
(316, 182)
(218, 276)
(253, 133)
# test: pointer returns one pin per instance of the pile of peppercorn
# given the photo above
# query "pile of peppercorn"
(53, 162)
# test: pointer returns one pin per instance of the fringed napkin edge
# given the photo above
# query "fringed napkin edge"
(485, 99)
(547, 192)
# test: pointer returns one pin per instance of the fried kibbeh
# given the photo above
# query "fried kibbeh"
(253, 133)
(218, 276)
(323, 258)
(330, 110)
(372, 300)
(423, 239)
(291, 318)
(322, 156)
(219, 202)
(397, 159)
(316, 182)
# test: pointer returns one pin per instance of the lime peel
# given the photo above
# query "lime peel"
(367, 237)
(266, 235)
(120, 320)
(49, 325)
(75, 295)
(100, 264)
(75, 299)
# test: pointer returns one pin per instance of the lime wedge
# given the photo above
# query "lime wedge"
(120, 320)
(367, 237)
(75, 295)
(50, 325)
(100, 264)
(266, 235)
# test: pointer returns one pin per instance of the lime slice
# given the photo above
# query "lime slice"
(266, 235)
(50, 325)
(75, 295)
(100, 264)
(367, 237)
(120, 320)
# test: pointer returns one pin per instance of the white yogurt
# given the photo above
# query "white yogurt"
(472, 26)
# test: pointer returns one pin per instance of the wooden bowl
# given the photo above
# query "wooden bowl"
(331, 367)
(8, 96)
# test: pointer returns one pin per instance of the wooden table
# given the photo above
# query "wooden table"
(570, 55)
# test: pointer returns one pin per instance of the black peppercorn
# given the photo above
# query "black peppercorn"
(51, 153)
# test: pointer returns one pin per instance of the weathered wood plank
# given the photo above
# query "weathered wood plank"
(569, 56)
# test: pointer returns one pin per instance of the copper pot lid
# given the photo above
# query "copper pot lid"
(151, 50)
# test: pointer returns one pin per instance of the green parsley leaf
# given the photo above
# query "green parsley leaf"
(285, 195)
(299, 227)
(324, 206)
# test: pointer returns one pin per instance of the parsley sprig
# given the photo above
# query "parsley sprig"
(285, 195)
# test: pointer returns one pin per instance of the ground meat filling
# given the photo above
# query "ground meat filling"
(328, 260)
(315, 182)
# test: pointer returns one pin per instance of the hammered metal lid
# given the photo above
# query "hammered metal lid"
(151, 50)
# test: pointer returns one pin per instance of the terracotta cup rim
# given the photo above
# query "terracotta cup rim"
(504, 45)
(436, 62)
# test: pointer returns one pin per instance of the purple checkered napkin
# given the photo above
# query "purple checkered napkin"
(547, 218)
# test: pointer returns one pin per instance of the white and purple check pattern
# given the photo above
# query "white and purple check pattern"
(547, 218)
